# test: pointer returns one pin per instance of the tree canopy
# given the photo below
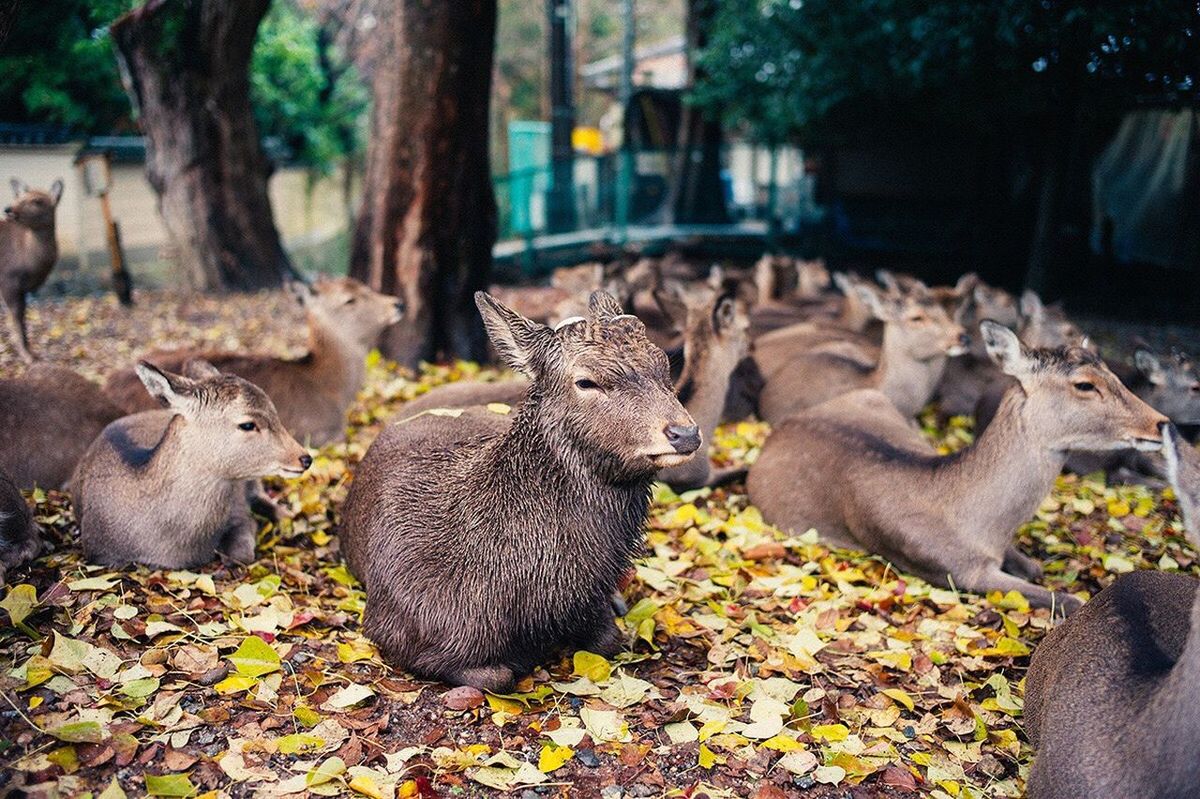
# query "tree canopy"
(818, 69)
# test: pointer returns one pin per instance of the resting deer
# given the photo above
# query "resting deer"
(967, 376)
(918, 337)
(312, 393)
(167, 487)
(28, 251)
(485, 552)
(1110, 698)
(856, 469)
(48, 417)
(19, 540)
(714, 325)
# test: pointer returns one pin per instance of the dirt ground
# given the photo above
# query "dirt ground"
(758, 664)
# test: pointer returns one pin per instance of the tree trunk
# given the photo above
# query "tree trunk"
(697, 194)
(428, 219)
(186, 68)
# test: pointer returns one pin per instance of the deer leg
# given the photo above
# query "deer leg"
(605, 637)
(240, 537)
(996, 580)
(493, 679)
(14, 306)
(1018, 563)
(261, 503)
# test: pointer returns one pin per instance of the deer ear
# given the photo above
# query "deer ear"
(883, 308)
(171, 390)
(725, 314)
(670, 300)
(966, 284)
(56, 190)
(515, 338)
(1005, 349)
(301, 291)
(200, 369)
(1031, 306)
(1150, 366)
(18, 187)
(603, 306)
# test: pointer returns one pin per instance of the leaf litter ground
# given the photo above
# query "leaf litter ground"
(759, 664)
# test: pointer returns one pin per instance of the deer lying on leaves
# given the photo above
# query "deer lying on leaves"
(485, 552)
(28, 251)
(48, 417)
(1110, 698)
(19, 540)
(312, 393)
(166, 487)
(855, 469)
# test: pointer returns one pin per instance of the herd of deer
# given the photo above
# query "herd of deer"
(492, 538)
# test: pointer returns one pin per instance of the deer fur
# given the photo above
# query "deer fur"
(967, 376)
(855, 469)
(1110, 698)
(312, 393)
(48, 417)
(486, 552)
(28, 252)
(19, 539)
(166, 487)
(918, 337)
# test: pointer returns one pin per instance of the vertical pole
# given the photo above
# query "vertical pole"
(625, 168)
(773, 201)
(560, 215)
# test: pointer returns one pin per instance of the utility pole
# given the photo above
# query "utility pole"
(625, 166)
(560, 213)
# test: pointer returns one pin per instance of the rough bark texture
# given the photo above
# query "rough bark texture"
(186, 68)
(428, 219)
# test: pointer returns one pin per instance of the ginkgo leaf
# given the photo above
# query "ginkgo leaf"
(254, 657)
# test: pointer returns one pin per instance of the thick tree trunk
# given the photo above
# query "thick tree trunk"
(428, 219)
(186, 69)
(696, 193)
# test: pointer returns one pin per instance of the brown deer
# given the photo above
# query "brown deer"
(967, 376)
(48, 417)
(312, 393)
(19, 539)
(28, 251)
(167, 487)
(918, 337)
(715, 335)
(1110, 698)
(485, 553)
(856, 469)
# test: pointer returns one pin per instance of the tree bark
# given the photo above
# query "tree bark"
(428, 219)
(697, 194)
(185, 64)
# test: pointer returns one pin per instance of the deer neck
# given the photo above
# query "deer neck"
(908, 383)
(38, 246)
(174, 462)
(337, 362)
(997, 484)
(704, 383)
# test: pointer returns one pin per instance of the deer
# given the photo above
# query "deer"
(19, 538)
(1110, 697)
(312, 393)
(166, 488)
(486, 550)
(918, 338)
(48, 418)
(967, 376)
(855, 469)
(715, 327)
(28, 252)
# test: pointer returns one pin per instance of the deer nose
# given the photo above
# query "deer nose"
(305, 460)
(684, 439)
(964, 340)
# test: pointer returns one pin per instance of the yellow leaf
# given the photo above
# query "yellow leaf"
(900, 696)
(783, 743)
(831, 732)
(235, 684)
(594, 667)
(711, 728)
(899, 660)
(355, 651)
(708, 758)
(255, 657)
(366, 786)
(553, 756)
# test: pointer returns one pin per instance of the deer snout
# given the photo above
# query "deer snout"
(683, 438)
(398, 311)
(305, 461)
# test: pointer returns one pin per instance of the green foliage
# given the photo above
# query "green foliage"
(816, 69)
(57, 66)
(303, 91)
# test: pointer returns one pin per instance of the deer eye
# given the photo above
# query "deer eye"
(587, 385)
(1084, 385)
(249, 427)
(351, 301)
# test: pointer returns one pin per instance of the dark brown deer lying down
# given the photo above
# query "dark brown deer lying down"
(715, 340)
(312, 393)
(1110, 698)
(166, 487)
(48, 417)
(484, 554)
(28, 251)
(856, 469)
(19, 540)
(918, 337)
